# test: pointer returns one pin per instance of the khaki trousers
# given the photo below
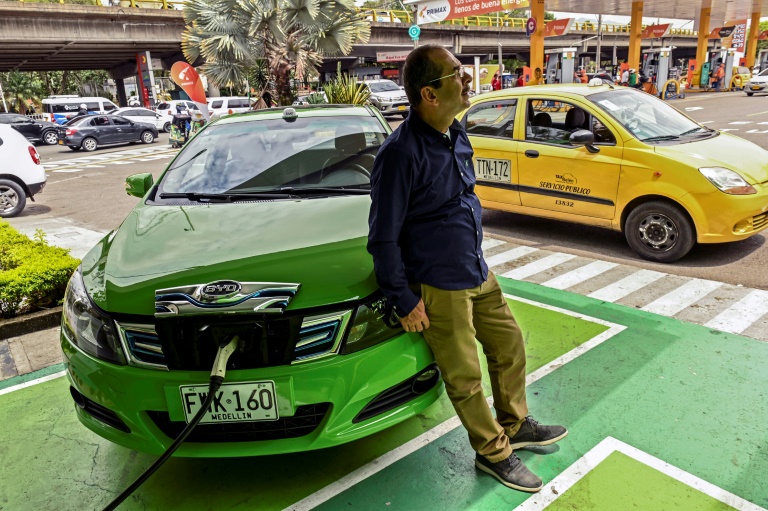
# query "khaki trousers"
(456, 318)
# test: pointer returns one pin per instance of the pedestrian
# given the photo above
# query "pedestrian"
(625, 77)
(425, 238)
(632, 80)
(719, 76)
(520, 82)
(83, 110)
(538, 77)
(583, 76)
(496, 83)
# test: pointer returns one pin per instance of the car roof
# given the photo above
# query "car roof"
(575, 89)
(302, 111)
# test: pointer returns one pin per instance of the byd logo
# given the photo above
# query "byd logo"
(221, 288)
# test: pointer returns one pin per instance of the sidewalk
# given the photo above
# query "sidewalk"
(28, 353)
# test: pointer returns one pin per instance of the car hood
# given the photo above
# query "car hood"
(391, 94)
(725, 150)
(318, 243)
(759, 79)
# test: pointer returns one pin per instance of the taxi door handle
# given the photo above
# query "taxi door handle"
(530, 153)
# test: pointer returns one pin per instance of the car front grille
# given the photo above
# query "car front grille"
(759, 221)
(306, 419)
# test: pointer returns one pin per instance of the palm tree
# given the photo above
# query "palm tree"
(291, 36)
(18, 89)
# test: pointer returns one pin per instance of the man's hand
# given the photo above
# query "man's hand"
(416, 320)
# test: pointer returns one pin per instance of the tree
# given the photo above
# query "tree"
(761, 45)
(19, 88)
(292, 36)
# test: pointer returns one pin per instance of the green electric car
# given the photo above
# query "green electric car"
(258, 228)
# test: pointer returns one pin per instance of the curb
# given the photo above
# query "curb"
(29, 323)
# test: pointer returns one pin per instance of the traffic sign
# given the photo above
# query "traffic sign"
(414, 31)
(530, 26)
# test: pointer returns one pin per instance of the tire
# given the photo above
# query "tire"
(89, 144)
(50, 137)
(74, 147)
(167, 127)
(750, 93)
(659, 231)
(405, 116)
(147, 137)
(12, 198)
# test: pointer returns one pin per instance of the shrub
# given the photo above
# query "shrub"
(33, 274)
(344, 90)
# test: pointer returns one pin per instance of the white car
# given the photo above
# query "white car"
(388, 97)
(758, 83)
(176, 106)
(161, 121)
(228, 105)
(21, 174)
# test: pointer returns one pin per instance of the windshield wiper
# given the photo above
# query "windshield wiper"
(328, 189)
(694, 130)
(660, 137)
(224, 197)
(189, 160)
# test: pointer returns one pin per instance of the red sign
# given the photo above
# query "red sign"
(557, 27)
(655, 31)
(430, 11)
(721, 32)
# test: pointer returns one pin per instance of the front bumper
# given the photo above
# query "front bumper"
(333, 390)
(755, 87)
(398, 107)
(724, 218)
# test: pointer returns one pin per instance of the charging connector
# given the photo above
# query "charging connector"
(227, 346)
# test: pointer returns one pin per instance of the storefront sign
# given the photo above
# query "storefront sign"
(558, 27)
(655, 31)
(433, 11)
(392, 56)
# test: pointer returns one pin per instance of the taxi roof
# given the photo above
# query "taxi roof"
(578, 89)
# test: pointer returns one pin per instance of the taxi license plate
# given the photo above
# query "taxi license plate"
(490, 169)
(755, 87)
(61, 142)
(234, 402)
(401, 107)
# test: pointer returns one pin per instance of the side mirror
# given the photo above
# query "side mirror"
(138, 184)
(585, 138)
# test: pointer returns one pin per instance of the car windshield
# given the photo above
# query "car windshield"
(383, 86)
(764, 72)
(263, 155)
(647, 117)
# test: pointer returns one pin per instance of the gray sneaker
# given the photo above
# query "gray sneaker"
(533, 433)
(510, 472)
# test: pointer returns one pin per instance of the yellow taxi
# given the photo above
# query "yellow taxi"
(618, 158)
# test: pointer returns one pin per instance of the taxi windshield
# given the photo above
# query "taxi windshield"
(647, 117)
(263, 155)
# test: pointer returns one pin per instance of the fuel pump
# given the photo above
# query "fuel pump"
(655, 66)
(560, 65)
(726, 56)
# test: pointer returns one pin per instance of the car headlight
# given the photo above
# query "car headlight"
(378, 98)
(86, 326)
(369, 328)
(727, 181)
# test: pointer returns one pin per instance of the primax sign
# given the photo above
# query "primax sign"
(432, 11)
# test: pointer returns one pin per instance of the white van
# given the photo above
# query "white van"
(57, 108)
(228, 105)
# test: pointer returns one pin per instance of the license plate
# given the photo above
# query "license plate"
(401, 107)
(234, 402)
(61, 142)
(755, 87)
(489, 169)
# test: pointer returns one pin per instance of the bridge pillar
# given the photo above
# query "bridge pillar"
(635, 34)
(537, 38)
(122, 100)
(754, 29)
(703, 42)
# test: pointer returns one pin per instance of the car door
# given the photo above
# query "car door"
(490, 126)
(26, 126)
(104, 131)
(125, 130)
(555, 176)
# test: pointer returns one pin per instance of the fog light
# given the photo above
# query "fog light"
(425, 380)
(742, 226)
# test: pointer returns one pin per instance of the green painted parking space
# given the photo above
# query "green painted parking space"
(690, 397)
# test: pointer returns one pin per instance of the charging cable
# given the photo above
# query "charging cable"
(226, 348)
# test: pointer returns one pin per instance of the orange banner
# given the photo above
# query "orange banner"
(557, 27)
(655, 31)
(763, 35)
(187, 78)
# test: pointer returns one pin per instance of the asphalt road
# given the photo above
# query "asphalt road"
(91, 195)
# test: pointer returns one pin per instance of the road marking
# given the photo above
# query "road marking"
(693, 108)
(67, 170)
(385, 460)
(609, 445)
(579, 275)
(742, 314)
(538, 266)
(729, 129)
(491, 242)
(627, 285)
(740, 122)
(759, 132)
(32, 382)
(682, 297)
(509, 255)
(706, 122)
(757, 113)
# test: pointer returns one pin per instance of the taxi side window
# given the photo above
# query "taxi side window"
(602, 134)
(491, 119)
(553, 122)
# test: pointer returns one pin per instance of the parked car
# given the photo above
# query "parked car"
(34, 131)
(60, 109)
(161, 120)
(21, 174)
(219, 107)
(176, 106)
(388, 97)
(318, 366)
(91, 131)
(758, 83)
(618, 158)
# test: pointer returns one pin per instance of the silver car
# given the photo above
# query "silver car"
(388, 97)
(758, 83)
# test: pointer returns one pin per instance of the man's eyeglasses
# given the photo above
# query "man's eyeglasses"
(455, 74)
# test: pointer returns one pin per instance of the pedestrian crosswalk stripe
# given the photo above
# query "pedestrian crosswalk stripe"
(509, 255)
(682, 297)
(579, 275)
(538, 266)
(627, 285)
(742, 314)
(490, 243)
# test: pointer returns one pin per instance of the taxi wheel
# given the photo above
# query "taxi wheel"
(659, 231)
(750, 93)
